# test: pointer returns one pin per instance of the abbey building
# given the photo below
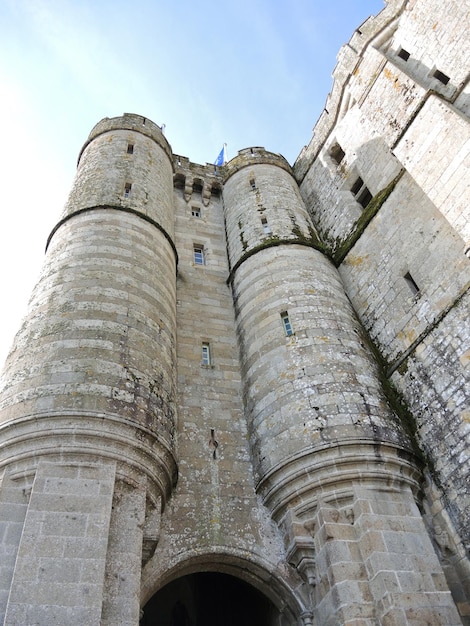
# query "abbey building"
(241, 393)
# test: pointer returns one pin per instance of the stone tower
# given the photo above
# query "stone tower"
(240, 395)
(89, 398)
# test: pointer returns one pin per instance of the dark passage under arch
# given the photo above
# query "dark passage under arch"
(209, 599)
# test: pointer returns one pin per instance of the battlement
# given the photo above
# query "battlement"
(129, 121)
(256, 371)
(255, 156)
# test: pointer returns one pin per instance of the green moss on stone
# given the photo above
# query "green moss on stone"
(271, 241)
(310, 239)
(342, 248)
(394, 397)
(403, 368)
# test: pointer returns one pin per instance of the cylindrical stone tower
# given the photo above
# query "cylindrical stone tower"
(326, 446)
(309, 381)
(90, 380)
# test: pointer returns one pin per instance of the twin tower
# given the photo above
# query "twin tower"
(193, 427)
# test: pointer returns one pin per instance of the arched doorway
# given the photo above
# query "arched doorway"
(209, 599)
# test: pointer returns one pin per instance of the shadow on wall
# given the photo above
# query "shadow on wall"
(343, 184)
(209, 599)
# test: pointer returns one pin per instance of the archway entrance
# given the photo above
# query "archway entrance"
(209, 599)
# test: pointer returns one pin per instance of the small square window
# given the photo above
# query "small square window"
(195, 211)
(364, 197)
(198, 252)
(403, 54)
(337, 153)
(441, 76)
(206, 353)
(127, 190)
(356, 188)
(361, 193)
(130, 148)
(287, 325)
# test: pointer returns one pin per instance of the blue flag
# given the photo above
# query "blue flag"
(221, 159)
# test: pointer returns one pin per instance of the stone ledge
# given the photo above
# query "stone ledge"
(132, 122)
(79, 436)
(303, 477)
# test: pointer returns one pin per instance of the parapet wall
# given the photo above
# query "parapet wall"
(129, 121)
(349, 57)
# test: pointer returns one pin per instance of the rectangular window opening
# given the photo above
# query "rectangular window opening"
(441, 76)
(266, 227)
(355, 189)
(364, 197)
(179, 181)
(195, 211)
(411, 283)
(206, 353)
(130, 148)
(127, 190)
(198, 252)
(253, 183)
(337, 153)
(361, 192)
(403, 54)
(287, 324)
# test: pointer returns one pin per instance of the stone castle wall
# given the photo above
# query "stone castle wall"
(256, 370)
(404, 132)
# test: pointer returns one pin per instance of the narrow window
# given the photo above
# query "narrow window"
(441, 76)
(195, 211)
(127, 190)
(337, 153)
(206, 353)
(403, 54)
(253, 183)
(361, 192)
(198, 254)
(266, 227)
(364, 197)
(356, 188)
(411, 283)
(130, 148)
(287, 325)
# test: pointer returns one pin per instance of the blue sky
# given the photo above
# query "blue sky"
(248, 73)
